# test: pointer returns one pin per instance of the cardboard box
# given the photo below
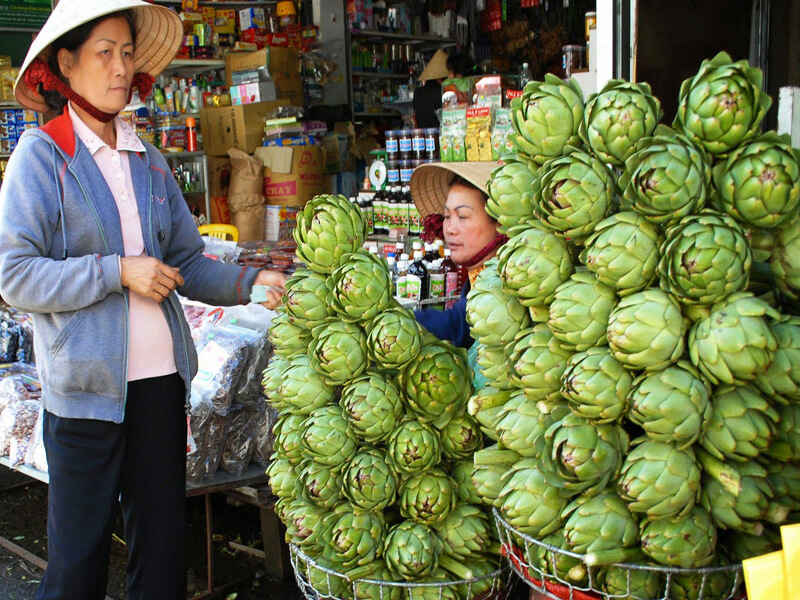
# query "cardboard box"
(292, 175)
(249, 93)
(240, 127)
(220, 213)
(279, 221)
(252, 18)
(254, 36)
(225, 20)
(283, 65)
(219, 175)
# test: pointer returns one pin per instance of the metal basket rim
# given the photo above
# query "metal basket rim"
(401, 584)
(735, 567)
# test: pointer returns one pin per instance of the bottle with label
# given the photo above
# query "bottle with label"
(400, 249)
(401, 282)
(417, 279)
(404, 221)
(376, 211)
(450, 271)
(392, 264)
(440, 248)
(414, 218)
(436, 283)
(525, 76)
(431, 255)
(369, 213)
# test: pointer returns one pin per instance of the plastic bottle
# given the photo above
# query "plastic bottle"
(401, 281)
(392, 264)
(417, 284)
(440, 248)
(450, 271)
(405, 213)
(431, 255)
(525, 76)
(368, 209)
(379, 211)
(436, 282)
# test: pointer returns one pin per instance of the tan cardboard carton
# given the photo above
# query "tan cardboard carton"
(283, 65)
(292, 175)
(240, 127)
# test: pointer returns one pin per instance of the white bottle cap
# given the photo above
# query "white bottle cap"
(404, 257)
(390, 260)
(373, 250)
(447, 252)
(417, 245)
(417, 254)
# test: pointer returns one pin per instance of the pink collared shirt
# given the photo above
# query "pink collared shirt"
(150, 351)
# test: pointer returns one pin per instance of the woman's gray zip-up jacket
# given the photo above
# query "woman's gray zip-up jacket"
(60, 241)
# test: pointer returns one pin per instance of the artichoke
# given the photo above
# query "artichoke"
(288, 432)
(717, 583)
(645, 331)
(687, 542)
(742, 424)
(308, 299)
(493, 316)
(734, 344)
(338, 351)
(573, 193)
(586, 456)
(362, 286)
(601, 527)
(271, 381)
(596, 385)
(369, 481)
(532, 498)
(412, 550)
(623, 252)
(460, 437)
(659, 480)
(394, 338)
(741, 547)
(327, 437)
(413, 447)
(362, 585)
(322, 485)
(580, 310)
(373, 406)
(328, 228)
(742, 511)
(537, 362)
(464, 531)
(490, 467)
(759, 183)
(286, 337)
(323, 581)
(547, 117)
(533, 264)
(623, 583)
(427, 497)
(705, 258)
(283, 479)
(305, 526)
(673, 405)
(521, 423)
(355, 538)
(462, 476)
(784, 262)
(508, 203)
(493, 365)
(552, 563)
(301, 387)
(437, 383)
(722, 106)
(782, 380)
(617, 118)
(478, 570)
(487, 406)
(785, 444)
(667, 178)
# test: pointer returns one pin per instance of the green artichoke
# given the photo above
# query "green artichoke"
(464, 531)
(546, 118)
(741, 547)
(532, 498)
(367, 583)
(537, 362)
(785, 444)
(705, 258)
(782, 380)
(427, 497)
(412, 550)
(490, 467)
(673, 405)
(580, 310)
(533, 264)
(493, 316)
(601, 527)
(460, 437)
(508, 203)
(759, 183)
(686, 542)
(734, 343)
(320, 578)
(339, 351)
(623, 583)
(596, 385)
(573, 193)
(785, 481)
(520, 424)
(271, 381)
(283, 479)
(288, 432)
(745, 510)
(722, 106)
(369, 480)
(394, 338)
(559, 565)
(437, 383)
(617, 118)
(645, 331)
(487, 406)
(355, 538)
(328, 228)
(784, 262)
(286, 337)
(493, 365)
(666, 178)
(305, 526)
(659, 480)
(308, 299)
(586, 456)
(462, 476)
(477, 570)
(623, 252)
(301, 387)
(718, 583)
(362, 286)
(373, 406)
(742, 424)
(413, 447)
(322, 484)
(327, 437)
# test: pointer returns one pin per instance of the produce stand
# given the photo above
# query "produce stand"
(248, 487)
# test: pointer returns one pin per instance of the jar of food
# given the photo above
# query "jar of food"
(392, 171)
(417, 144)
(432, 143)
(406, 144)
(392, 148)
(406, 168)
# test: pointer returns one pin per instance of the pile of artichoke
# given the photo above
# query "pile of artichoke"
(374, 446)
(637, 336)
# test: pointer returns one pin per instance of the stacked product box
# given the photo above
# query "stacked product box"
(13, 123)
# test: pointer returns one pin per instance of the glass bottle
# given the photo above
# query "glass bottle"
(417, 284)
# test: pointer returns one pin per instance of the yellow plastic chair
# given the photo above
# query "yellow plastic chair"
(220, 231)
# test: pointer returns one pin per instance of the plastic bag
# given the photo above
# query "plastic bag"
(36, 455)
(241, 438)
(252, 322)
(224, 251)
(221, 360)
(9, 341)
(206, 440)
(17, 422)
(265, 438)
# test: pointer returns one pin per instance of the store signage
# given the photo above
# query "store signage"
(24, 14)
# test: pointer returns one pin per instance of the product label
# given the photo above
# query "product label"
(209, 362)
(415, 220)
(393, 214)
(430, 144)
(414, 288)
(436, 285)
(391, 146)
(418, 144)
(369, 213)
(404, 216)
(451, 284)
(405, 174)
(402, 287)
(405, 144)
(393, 175)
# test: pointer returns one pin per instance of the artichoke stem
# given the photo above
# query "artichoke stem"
(456, 568)
(492, 457)
(729, 477)
(607, 557)
(777, 513)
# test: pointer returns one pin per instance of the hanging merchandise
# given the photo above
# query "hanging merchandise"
(492, 17)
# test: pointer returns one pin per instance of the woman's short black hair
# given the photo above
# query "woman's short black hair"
(72, 41)
(460, 64)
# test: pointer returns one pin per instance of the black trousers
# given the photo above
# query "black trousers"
(140, 463)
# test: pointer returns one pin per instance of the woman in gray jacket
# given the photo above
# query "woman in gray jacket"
(95, 238)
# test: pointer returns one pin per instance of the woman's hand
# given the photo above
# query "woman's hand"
(149, 277)
(274, 280)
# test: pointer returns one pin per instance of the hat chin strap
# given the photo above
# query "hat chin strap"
(39, 74)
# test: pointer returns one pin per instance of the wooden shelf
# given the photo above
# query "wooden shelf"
(195, 65)
(380, 75)
(169, 155)
(403, 37)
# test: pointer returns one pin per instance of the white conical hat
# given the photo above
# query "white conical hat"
(159, 34)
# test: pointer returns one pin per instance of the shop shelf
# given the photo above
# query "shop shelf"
(402, 38)
(194, 65)
(377, 115)
(380, 75)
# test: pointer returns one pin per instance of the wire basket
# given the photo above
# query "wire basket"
(547, 568)
(320, 583)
